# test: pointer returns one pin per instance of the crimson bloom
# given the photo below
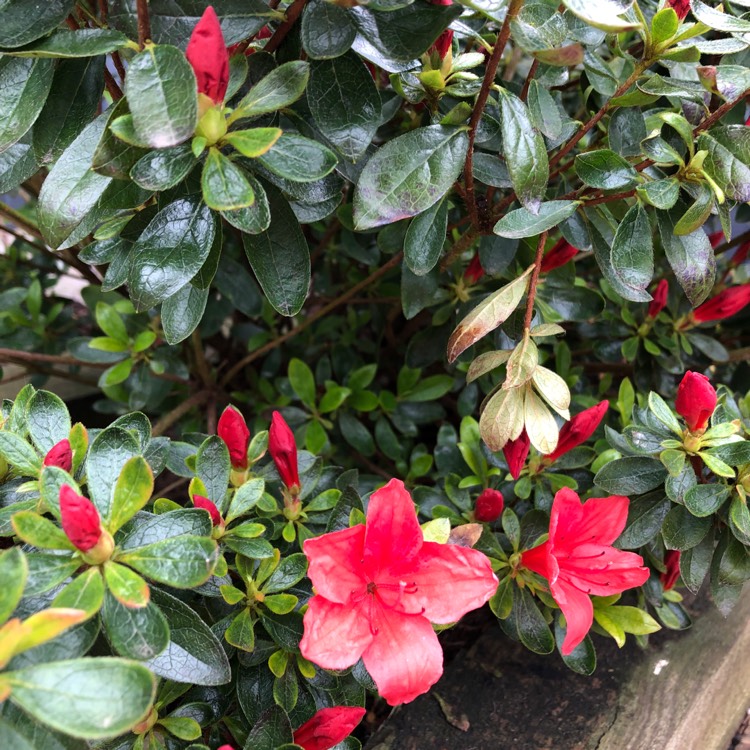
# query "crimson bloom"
(578, 559)
(60, 455)
(232, 429)
(672, 565)
(740, 254)
(207, 54)
(443, 43)
(681, 7)
(559, 254)
(328, 727)
(696, 400)
(725, 304)
(79, 518)
(203, 502)
(474, 270)
(578, 430)
(378, 588)
(489, 506)
(515, 452)
(659, 302)
(283, 451)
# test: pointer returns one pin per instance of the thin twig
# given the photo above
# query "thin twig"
(529, 78)
(310, 319)
(144, 22)
(201, 365)
(179, 411)
(112, 87)
(531, 294)
(464, 242)
(292, 14)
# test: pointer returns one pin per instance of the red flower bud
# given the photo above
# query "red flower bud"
(681, 7)
(203, 502)
(443, 43)
(474, 270)
(672, 573)
(723, 305)
(740, 254)
(560, 253)
(441, 2)
(208, 55)
(716, 238)
(515, 452)
(489, 506)
(659, 302)
(696, 400)
(328, 727)
(283, 450)
(232, 429)
(60, 455)
(79, 518)
(578, 430)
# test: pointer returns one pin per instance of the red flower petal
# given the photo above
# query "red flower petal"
(232, 429)
(578, 430)
(79, 519)
(599, 520)
(405, 658)
(578, 611)
(203, 502)
(328, 727)
(335, 634)
(696, 400)
(283, 450)
(60, 455)
(335, 564)
(208, 56)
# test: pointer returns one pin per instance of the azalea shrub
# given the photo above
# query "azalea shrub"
(388, 311)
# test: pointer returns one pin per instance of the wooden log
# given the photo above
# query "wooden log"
(687, 691)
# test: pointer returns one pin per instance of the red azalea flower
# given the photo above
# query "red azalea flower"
(328, 727)
(578, 559)
(723, 305)
(716, 238)
(443, 43)
(515, 452)
(203, 502)
(659, 302)
(560, 253)
(578, 430)
(378, 588)
(474, 270)
(740, 254)
(79, 518)
(283, 450)
(60, 455)
(441, 2)
(696, 400)
(232, 429)
(672, 573)
(225, 747)
(489, 506)
(681, 7)
(208, 55)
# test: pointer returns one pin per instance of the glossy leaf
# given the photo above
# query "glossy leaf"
(523, 223)
(280, 88)
(224, 185)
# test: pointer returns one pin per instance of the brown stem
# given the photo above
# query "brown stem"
(117, 59)
(718, 113)
(201, 365)
(738, 240)
(179, 411)
(529, 78)
(531, 295)
(144, 22)
(112, 87)
(293, 13)
(103, 11)
(310, 319)
(464, 242)
(484, 92)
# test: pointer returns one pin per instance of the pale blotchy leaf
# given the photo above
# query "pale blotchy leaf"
(731, 175)
(487, 316)
(553, 389)
(632, 256)
(408, 175)
(717, 20)
(524, 150)
(485, 363)
(522, 363)
(603, 14)
(522, 223)
(162, 95)
(502, 418)
(539, 422)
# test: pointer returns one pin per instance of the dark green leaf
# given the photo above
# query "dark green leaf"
(632, 475)
(20, 24)
(527, 624)
(163, 169)
(213, 468)
(705, 499)
(606, 170)
(682, 530)
(632, 256)
(147, 529)
(71, 44)
(182, 312)
(731, 175)
(140, 634)
(645, 517)
(280, 88)
(270, 731)
(224, 184)
(523, 223)
(252, 219)
(425, 237)
(327, 30)
(695, 562)
(47, 419)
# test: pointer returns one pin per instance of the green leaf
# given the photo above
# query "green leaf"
(110, 450)
(664, 25)
(645, 517)
(280, 257)
(47, 419)
(146, 528)
(682, 530)
(739, 520)
(162, 96)
(19, 454)
(170, 251)
(72, 44)
(408, 175)
(213, 467)
(17, 164)
(164, 168)
(126, 585)
(270, 731)
(327, 30)
(632, 475)
(72, 189)
(253, 142)
(705, 499)
(695, 563)
(717, 20)
(245, 498)
(19, 26)
(661, 194)
(40, 531)
(132, 491)
(280, 88)
(525, 152)
(298, 159)
(522, 223)
(135, 633)
(605, 170)
(729, 172)
(527, 624)
(690, 256)
(181, 562)
(425, 237)
(194, 654)
(344, 103)
(632, 256)
(13, 573)
(583, 657)
(253, 219)
(24, 86)
(85, 591)
(182, 312)
(604, 14)
(182, 727)
(86, 698)
(241, 632)
(302, 381)
(224, 184)
(109, 320)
